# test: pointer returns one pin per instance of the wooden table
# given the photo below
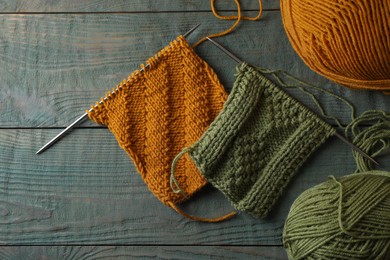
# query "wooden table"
(83, 199)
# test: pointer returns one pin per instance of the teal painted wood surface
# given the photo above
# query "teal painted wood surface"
(85, 190)
(127, 5)
(55, 66)
(144, 252)
(84, 193)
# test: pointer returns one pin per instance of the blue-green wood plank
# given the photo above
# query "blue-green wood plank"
(53, 67)
(85, 190)
(142, 252)
(126, 5)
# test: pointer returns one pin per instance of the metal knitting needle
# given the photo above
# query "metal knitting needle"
(227, 52)
(339, 136)
(357, 149)
(85, 115)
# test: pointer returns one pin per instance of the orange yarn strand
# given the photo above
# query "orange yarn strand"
(210, 220)
(175, 186)
(237, 17)
(234, 17)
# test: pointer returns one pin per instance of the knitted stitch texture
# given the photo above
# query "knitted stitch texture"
(157, 112)
(257, 143)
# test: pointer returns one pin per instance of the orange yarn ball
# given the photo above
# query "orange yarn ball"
(347, 41)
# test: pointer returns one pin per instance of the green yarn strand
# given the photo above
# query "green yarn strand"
(286, 80)
(371, 132)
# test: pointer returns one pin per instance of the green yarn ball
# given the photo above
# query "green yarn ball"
(345, 218)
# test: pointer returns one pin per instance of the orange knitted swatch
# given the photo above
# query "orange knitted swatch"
(157, 112)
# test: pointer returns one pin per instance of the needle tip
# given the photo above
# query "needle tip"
(41, 150)
(191, 30)
(374, 161)
(357, 149)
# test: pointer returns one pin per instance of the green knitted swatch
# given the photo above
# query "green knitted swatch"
(257, 143)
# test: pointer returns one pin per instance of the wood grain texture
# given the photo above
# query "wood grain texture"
(85, 190)
(127, 5)
(142, 252)
(83, 198)
(53, 67)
